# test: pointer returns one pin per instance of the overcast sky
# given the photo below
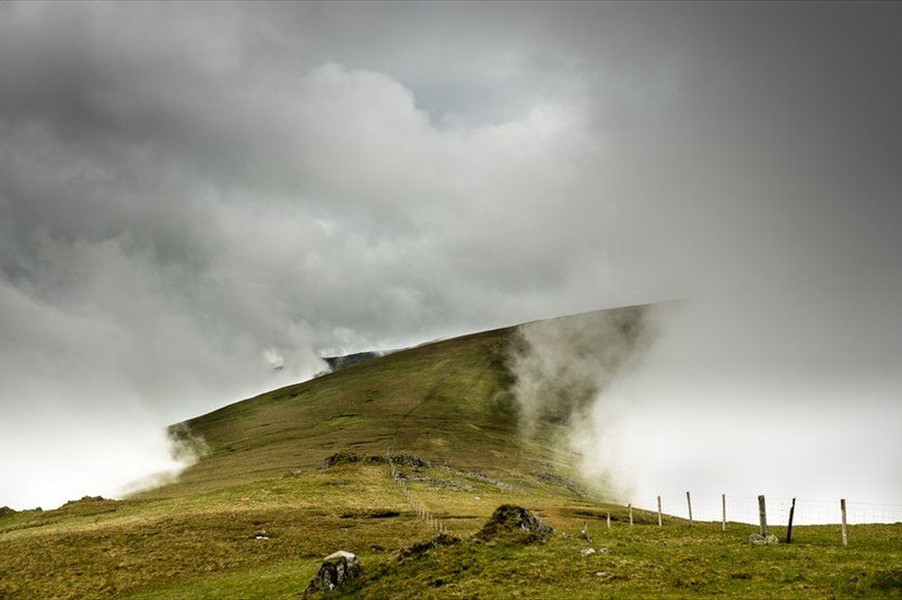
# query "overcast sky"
(191, 194)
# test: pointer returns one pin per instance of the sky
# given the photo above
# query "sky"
(192, 194)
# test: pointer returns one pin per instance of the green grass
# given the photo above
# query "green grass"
(198, 538)
(673, 561)
(205, 547)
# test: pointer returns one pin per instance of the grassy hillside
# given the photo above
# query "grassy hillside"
(445, 402)
(255, 516)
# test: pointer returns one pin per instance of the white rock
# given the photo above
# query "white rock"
(349, 556)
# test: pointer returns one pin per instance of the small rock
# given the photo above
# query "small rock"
(601, 573)
(759, 540)
(587, 552)
(337, 569)
(603, 550)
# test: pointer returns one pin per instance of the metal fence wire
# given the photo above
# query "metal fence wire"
(744, 509)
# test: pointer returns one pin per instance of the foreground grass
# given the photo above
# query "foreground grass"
(208, 547)
(647, 561)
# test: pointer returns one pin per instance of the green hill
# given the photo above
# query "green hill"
(381, 457)
(446, 402)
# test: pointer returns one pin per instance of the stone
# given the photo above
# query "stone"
(515, 523)
(587, 552)
(337, 569)
(759, 540)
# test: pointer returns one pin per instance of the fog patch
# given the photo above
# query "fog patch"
(273, 359)
(567, 373)
(187, 447)
(185, 450)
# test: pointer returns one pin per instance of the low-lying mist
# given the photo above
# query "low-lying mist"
(713, 398)
(567, 371)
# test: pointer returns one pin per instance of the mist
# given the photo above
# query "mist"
(565, 372)
(197, 202)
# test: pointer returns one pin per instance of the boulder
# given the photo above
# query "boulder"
(516, 524)
(337, 569)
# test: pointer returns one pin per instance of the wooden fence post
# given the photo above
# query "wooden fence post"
(659, 511)
(845, 528)
(631, 514)
(689, 504)
(762, 516)
(792, 510)
(723, 522)
(609, 520)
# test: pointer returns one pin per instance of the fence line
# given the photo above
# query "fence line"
(744, 509)
(422, 512)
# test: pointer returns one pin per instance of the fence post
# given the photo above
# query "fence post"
(689, 504)
(792, 510)
(659, 511)
(762, 516)
(609, 520)
(631, 514)
(845, 528)
(723, 522)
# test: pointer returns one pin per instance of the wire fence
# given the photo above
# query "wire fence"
(744, 509)
(423, 513)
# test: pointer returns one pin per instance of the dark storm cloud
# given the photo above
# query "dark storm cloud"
(190, 190)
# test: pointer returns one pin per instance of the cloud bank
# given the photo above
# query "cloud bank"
(194, 195)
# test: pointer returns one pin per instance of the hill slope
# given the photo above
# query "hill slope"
(445, 402)
(415, 442)
(449, 402)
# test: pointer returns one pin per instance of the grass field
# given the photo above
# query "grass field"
(255, 516)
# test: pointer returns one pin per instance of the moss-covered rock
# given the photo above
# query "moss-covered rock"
(514, 524)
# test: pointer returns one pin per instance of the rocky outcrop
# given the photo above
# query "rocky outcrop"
(346, 458)
(337, 570)
(516, 524)
(339, 363)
